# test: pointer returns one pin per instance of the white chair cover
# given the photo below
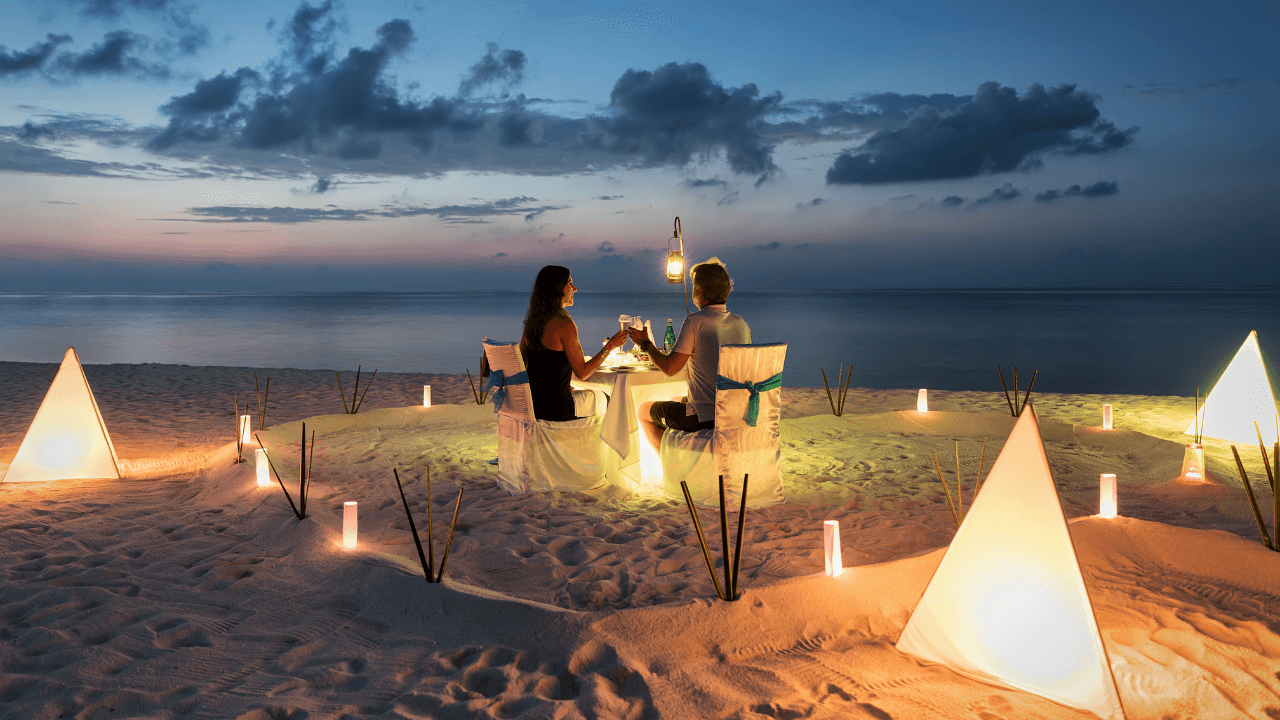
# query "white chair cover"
(734, 447)
(539, 455)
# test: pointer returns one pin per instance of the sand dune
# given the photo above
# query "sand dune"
(185, 591)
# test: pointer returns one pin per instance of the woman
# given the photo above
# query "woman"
(551, 347)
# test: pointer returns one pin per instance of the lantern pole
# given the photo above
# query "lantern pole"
(684, 270)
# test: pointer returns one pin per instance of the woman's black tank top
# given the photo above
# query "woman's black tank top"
(549, 373)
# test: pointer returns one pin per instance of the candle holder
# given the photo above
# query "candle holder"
(922, 401)
(1106, 417)
(244, 428)
(1193, 463)
(349, 525)
(1107, 495)
(426, 396)
(263, 469)
(831, 543)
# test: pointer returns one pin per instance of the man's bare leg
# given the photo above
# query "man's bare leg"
(651, 430)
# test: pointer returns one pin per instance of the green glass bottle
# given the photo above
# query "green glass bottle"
(669, 341)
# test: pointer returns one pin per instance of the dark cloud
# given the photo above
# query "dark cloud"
(308, 36)
(606, 247)
(183, 29)
(513, 127)
(775, 245)
(710, 182)
(501, 254)
(677, 112)
(31, 131)
(952, 201)
(1102, 188)
(201, 115)
(1003, 193)
(872, 112)
(995, 131)
(505, 68)
(608, 197)
(322, 185)
(476, 213)
(20, 61)
(812, 203)
(120, 53)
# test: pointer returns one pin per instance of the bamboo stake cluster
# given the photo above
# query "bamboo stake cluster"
(354, 407)
(957, 505)
(1272, 468)
(842, 390)
(481, 396)
(729, 591)
(262, 401)
(428, 560)
(304, 473)
(1016, 404)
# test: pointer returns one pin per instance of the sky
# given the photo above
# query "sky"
(264, 145)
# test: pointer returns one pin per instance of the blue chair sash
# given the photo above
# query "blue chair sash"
(753, 404)
(499, 381)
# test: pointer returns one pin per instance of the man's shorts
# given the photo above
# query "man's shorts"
(671, 415)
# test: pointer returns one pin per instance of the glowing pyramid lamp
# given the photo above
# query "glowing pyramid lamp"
(1008, 603)
(1241, 397)
(67, 439)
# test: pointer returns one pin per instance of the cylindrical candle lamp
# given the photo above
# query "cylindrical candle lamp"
(831, 542)
(426, 396)
(1107, 495)
(922, 401)
(244, 429)
(1193, 463)
(348, 525)
(1106, 417)
(263, 468)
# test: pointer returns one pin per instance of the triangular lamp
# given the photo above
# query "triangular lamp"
(67, 439)
(1241, 397)
(1008, 603)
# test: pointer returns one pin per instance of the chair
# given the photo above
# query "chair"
(739, 444)
(540, 455)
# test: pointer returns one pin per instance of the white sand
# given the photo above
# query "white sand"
(186, 591)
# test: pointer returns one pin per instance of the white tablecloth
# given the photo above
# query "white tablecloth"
(633, 463)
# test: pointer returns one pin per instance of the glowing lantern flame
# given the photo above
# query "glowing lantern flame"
(1193, 462)
(67, 438)
(1107, 495)
(1008, 603)
(831, 543)
(348, 526)
(1241, 397)
(922, 401)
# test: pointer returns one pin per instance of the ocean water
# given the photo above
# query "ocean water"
(1152, 342)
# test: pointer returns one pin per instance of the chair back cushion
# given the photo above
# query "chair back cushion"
(509, 382)
(756, 364)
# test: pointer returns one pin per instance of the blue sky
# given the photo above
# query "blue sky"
(164, 144)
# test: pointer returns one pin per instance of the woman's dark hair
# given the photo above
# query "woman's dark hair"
(545, 303)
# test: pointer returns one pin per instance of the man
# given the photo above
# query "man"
(701, 336)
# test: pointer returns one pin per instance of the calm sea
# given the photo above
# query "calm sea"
(1153, 342)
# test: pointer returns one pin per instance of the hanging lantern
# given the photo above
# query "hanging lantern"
(675, 257)
(1107, 495)
(348, 526)
(831, 541)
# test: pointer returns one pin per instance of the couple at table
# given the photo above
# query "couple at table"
(553, 353)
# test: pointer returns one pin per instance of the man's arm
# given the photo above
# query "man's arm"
(668, 364)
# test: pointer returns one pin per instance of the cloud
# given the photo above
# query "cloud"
(120, 53)
(20, 61)
(952, 201)
(710, 182)
(476, 213)
(812, 203)
(606, 247)
(608, 197)
(995, 131)
(178, 17)
(323, 184)
(505, 69)
(673, 114)
(1102, 188)
(775, 245)
(501, 254)
(1003, 193)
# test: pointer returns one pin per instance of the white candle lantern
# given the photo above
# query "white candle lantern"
(831, 541)
(1106, 417)
(244, 429)
(263, 468)
(1193, 463)
(1107, 495)
(426, 396)
(922, 401)
(348, 526)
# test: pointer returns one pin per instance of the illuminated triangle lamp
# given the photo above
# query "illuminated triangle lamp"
(1241, 397)
(67, 439)
(1008, 604)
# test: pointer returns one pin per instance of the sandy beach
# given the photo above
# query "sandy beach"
(185, 591)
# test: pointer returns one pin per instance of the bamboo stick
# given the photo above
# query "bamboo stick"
(1257, 515)
(475, 395)
(977, 482)
(342, 394)
(366, 391)
(449, 542)
(1006, 391)
(1017, 406)
(724, 543)
(355, 390)
(262, 414)
(828, 387)
(845, 392)
(235, 397)
(412, 528)
(278, 478)
(1030, 385)
(702, 540)
(1271, 479)
(959, 485)
(431, 528)
(737, 546)
(946, 489)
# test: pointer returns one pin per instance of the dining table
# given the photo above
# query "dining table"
(632, 462)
